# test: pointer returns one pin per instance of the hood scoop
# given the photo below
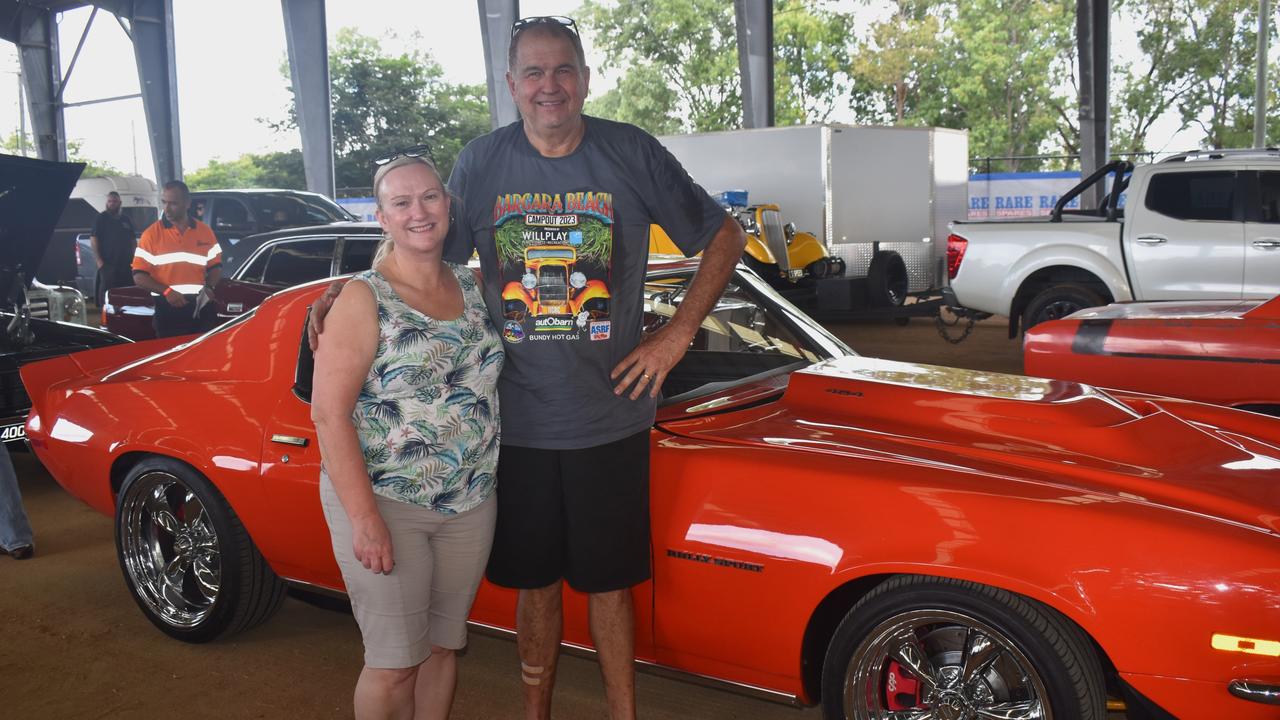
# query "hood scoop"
(872, 386)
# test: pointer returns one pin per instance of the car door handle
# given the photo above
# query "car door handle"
(1152, 239)
(1266, 243)
(289, 440)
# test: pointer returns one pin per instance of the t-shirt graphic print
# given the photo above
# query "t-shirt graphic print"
(554, 254)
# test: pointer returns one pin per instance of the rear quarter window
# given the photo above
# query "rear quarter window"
(1193, 195)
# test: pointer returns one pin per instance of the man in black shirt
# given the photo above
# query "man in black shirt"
(114, 242)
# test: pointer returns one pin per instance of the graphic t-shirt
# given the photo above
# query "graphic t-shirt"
(563, 245)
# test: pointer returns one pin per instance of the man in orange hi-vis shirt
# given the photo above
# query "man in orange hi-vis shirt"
(177, 259)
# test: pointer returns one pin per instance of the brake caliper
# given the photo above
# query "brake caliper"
(901, 690)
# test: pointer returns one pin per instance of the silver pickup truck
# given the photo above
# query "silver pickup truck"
(1198, 225)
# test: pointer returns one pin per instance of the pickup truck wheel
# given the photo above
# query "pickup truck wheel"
(920, 647)
(1057, 302)
(887, 281)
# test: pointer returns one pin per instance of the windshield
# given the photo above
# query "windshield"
(751, 333)
(296, 210)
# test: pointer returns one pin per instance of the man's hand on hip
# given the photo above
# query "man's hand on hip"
(646, 367)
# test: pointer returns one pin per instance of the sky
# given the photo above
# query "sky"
(229, 54)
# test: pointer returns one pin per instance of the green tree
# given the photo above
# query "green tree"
(1223, 56)
(1150, 86)
(1003, 72)
(681, 61)
(643, 97)
(382, 102)
(811, 60)
(690, 45)
(893, 61)
(272, 170)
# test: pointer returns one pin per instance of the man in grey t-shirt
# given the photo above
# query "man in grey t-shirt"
(558, 207)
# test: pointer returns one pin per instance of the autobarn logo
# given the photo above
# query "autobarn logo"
(13, 432)
(553, 324)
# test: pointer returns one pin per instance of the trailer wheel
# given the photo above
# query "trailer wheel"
(887, 283)
(1059, 301)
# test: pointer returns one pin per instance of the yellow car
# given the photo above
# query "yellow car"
(777, 252)
(551, 286)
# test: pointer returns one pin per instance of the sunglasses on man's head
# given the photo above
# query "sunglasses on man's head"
(557, 20)
(413, 151)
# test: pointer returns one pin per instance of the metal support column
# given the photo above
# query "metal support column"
(496, 18)
(1093, 36)
(37, 39)
(755, 60)
(1260, 89)
(307, 38)
(152, 24)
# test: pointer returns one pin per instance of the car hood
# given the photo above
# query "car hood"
(1068, 437)
(1183, 310)
(33, 194)
(51, 338)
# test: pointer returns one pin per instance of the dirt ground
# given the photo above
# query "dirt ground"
(74, 645)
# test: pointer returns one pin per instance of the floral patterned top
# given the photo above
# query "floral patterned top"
(427, 415)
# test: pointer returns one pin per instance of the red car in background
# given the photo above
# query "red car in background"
(257, 267)
(1225, 352)
(889, 540)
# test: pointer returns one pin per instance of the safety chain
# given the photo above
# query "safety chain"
(958, 315)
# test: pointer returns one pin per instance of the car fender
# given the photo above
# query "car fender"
(515, 291)
(592, 290)
(1088, 259)
(966, 523)
(805, 250)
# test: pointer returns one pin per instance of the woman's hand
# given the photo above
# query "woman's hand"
(371, 542)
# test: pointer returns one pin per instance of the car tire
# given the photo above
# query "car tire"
(1057, 302)
(887, 281)
(186, 558)
(1023, 654)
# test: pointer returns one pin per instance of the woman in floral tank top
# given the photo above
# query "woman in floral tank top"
(406, 410)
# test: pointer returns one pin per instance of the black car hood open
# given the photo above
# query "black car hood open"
(32, 196)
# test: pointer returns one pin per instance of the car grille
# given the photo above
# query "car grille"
(774, 238)
(553, 285)
(13, 396)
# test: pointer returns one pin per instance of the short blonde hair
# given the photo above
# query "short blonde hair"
(387, 244)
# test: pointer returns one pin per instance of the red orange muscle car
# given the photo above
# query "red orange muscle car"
(1218, 351)
(886, 539)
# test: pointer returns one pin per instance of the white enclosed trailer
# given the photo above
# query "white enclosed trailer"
(858, 189)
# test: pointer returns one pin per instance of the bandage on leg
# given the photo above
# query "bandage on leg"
(531, 674)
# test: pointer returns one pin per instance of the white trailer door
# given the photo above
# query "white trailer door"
(1262, 240)
(1185, 241)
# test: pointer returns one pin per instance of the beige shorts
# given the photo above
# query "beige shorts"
(425, 600)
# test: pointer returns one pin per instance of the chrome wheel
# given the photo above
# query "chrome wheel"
(169, 549)
(941, 665)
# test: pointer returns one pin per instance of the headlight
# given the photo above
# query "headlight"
(578, 280)
(529, 281)
(72, 308)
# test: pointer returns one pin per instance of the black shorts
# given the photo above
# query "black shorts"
(581, 515)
